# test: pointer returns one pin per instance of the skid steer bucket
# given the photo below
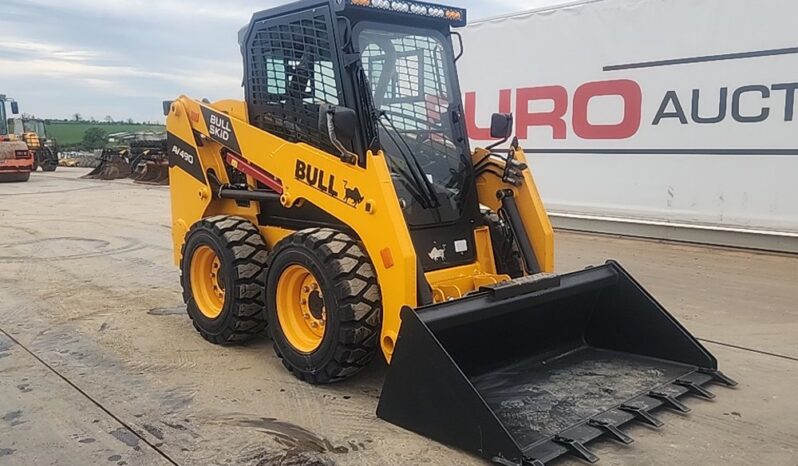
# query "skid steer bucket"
(113, 165)
(152, 172)
(526, 371)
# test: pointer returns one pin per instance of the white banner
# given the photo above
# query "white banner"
(670, 110)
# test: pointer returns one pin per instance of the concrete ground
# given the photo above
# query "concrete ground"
(100, 365)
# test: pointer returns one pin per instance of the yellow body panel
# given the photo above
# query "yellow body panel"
(373, 213)
(192, 200)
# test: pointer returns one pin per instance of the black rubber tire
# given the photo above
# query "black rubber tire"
(242, 253)
(505, 251)
(14, 177)
(50, 162)
(351, 296)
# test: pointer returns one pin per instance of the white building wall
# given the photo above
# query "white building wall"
(726, 174)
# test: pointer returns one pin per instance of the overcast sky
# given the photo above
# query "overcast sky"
(123, 57)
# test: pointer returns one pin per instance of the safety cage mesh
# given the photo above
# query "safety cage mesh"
(291, 72)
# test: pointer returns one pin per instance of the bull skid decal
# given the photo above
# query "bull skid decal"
(317, 179)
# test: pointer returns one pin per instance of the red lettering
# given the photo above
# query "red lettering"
(632, 97)
(474, 131)
(553, 119)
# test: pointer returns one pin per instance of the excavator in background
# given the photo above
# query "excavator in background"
(16, 160)
(340, 208)
(33, 132)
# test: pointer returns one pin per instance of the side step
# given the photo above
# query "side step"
(526, 372)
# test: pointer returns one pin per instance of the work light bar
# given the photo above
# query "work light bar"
(455, 16)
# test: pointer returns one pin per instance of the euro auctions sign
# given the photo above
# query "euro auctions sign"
(666, 110)
(659, 75)
(752, 103)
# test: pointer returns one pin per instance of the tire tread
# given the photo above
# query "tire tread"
(354, 282)
(249, 252)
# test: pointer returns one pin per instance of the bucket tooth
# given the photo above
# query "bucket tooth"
(527, 461)
(533, 462)
(695, 389)
(576, 448)
(669, 400)
(642, 415)
(611, 430)
(719, 377)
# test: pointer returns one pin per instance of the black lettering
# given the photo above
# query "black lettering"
(724, 94)
(322, 186)
(331, 186)
(678, 111)
(789, 99)
(763, 115)
(299, 171)
(313, 175)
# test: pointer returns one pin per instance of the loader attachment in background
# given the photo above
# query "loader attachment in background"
(113, 165)
(152, 172)
(529, 370)
(151, 168)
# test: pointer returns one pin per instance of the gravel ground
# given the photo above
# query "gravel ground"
(100, 365)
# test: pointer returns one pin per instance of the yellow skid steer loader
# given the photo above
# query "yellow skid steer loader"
(341, 207)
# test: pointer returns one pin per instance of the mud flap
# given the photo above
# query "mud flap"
(527, 371)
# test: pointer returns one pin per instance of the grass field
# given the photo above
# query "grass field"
(68, 134)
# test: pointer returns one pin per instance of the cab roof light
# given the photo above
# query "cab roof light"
(456, 16)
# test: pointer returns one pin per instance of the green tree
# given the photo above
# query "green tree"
(94, 138)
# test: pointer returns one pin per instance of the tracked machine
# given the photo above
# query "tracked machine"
(340, 207)
(16, 159)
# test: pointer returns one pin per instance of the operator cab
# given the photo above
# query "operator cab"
(3, 119)
(19, 126)
(386, 71)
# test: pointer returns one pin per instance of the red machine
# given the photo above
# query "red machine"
(16, 160)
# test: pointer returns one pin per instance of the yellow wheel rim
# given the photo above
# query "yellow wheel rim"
(207, 285)
(300, 308)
